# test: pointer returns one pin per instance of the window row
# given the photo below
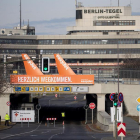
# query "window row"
(72, 41)
(92, 51)
(114, 23)
(10, 51)
(76, 51)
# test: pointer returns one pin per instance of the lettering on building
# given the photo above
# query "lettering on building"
(103, 11)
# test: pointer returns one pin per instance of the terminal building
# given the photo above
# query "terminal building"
(90, 47)
(94, 42)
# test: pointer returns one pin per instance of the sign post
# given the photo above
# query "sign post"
(138, 108)
(86, 108)
(92, 106)
(38, 107)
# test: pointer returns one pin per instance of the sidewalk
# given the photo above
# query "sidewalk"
(132, 130)
(3, 127)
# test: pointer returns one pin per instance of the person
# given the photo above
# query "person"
(7, 118)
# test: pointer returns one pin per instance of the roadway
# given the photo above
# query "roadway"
(71, 131)
(65, 100)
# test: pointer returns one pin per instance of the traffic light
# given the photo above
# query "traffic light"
(45, 65)
(115, 100)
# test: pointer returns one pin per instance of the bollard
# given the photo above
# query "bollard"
(0, 120)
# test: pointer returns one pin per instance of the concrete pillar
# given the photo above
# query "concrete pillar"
(100, 102)
(4, 108)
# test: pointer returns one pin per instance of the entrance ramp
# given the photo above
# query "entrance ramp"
(104, 121)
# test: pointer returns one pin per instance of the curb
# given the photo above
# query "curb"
(94, 129)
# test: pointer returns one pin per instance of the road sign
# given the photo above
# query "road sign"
(8, 103)
(56, 95)
(23, 116)
(138, 107)
(51, 118)
(85, 107)
(75, 97)
(118, 114)
(120, 97)
(138, 100)
(63, 114)
(121, 129)
(119, 104)
(112, 96)
(38, 107)
(15, 72)
(80, 89)
(92, 106)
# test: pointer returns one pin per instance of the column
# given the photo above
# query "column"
(100, 102)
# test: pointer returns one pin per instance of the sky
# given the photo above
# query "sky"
(51, 17)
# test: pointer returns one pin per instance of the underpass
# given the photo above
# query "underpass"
(101, 91)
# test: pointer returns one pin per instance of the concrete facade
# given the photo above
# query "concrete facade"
(4, 108)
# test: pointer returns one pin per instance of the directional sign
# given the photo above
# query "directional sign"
(112, 96)
(138, 107)
(121, 129)
(80, 89)
(138, 100)
(92, 106)
(120, 97)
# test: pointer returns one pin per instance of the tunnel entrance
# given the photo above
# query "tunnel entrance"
(52, 107)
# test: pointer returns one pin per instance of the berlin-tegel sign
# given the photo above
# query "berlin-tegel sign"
(35, 76)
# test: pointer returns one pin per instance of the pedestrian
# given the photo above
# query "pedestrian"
(7, 118)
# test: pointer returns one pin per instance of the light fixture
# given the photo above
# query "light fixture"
(9, 57)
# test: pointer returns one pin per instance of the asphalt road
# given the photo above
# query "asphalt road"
(63, 100)
(70, 131)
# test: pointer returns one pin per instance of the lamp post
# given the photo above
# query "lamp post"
(115, 117)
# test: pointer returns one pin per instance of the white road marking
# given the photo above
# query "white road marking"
(22, 133)
(93, 137)
(54, 135)
(33, 135)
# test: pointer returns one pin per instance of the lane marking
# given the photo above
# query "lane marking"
(93, 137)
(54, 135)
(22, 133)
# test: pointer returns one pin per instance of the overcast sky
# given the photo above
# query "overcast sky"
(50, 16)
